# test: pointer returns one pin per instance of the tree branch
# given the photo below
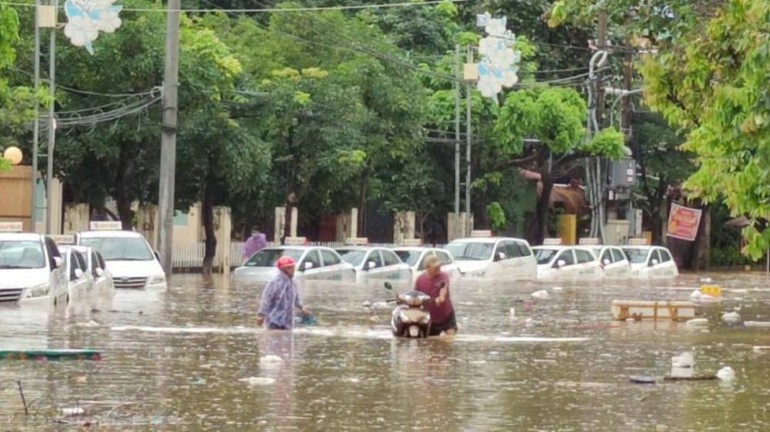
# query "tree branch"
(521, 161)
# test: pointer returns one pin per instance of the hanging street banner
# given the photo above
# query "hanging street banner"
(683, 222)
(86, 18)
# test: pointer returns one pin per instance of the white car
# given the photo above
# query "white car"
(129, 258)
(80, 284)
(613, 261)
(313, 263)
(104, 286)
(376, 265)
(654, 262)
(567, 262)
(31, 268)
(499, 258)
(415, 257)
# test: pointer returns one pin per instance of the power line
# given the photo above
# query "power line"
(273, 10)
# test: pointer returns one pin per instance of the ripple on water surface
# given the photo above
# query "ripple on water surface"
(192, 358)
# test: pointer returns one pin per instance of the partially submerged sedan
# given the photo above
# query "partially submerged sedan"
(653, 262)
(415, 258)
(566, 262)
(80, 284)
(313, 263)
(374, 265)
(613, 261)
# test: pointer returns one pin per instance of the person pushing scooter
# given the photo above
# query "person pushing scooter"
(435, 283)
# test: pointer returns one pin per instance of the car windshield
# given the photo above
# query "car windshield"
(636, 256)
(353, 256)
(544, 256)
(21, 255)
(120, 248)
(268, 257)
(471, 251)
(409, 257)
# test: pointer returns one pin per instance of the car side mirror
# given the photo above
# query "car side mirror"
(157, 254)
(308, 265)
(501, 256)
(99, 272)
(560, 263)
(606, 261)
(78, 274)
(370, 265)
(57, 262)
(653, 262)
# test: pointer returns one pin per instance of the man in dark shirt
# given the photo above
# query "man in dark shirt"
(435, 283)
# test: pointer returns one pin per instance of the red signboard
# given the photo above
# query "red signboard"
(683, 222)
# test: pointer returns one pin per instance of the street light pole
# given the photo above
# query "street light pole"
(51, 126)
(468, 129)
(457, 130)
(36, 127)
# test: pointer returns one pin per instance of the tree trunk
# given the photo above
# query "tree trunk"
(702, 252)
(125, 213)
(208, 228)
(541, 210)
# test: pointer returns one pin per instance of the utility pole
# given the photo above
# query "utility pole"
(168, 138)
(51, 127)
(457, 130)
(468, 128)
(36, 127)
(601, 42)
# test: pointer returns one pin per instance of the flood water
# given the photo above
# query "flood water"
(193, 359)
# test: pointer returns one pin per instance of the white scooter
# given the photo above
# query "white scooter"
(409, 318)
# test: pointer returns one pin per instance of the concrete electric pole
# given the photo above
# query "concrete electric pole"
(168, 138)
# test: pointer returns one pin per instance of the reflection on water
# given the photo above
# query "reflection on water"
(192, 358)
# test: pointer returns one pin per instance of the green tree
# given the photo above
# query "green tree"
(17, 102)
(662, 165)
(556, 118)
(339, 106)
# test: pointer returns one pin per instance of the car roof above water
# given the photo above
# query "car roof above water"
(109, 234)
(20, 237)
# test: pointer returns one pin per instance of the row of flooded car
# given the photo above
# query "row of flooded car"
(489, 258)
(83, 268)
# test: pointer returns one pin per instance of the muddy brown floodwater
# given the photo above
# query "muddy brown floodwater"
(192, 359)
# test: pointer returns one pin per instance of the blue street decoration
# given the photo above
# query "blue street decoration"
(86, 18)
(500, 60)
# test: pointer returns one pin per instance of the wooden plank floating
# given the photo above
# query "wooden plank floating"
(653, 310)
(692, 378)
(50, 354)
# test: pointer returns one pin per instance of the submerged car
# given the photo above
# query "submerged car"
(313, 263)
(80, 284)
(500, 258)
(614, 262)
(415, 258)
(103, 293)
(129, 258)
(376, 264)
(566, 262)
(654, 262)
(31, 268)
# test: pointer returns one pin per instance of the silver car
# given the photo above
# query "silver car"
(104, 285)
(313, 263)
(374, 265)
(80, 282)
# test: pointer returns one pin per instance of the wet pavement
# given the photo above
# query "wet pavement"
(193, 359)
